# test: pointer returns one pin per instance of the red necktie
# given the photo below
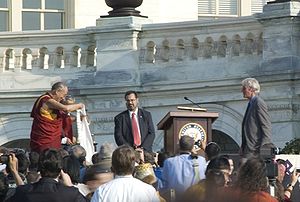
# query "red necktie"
(135, 130)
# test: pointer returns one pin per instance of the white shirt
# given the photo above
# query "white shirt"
(125, 189)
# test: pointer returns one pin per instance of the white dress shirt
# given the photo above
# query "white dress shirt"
(125, 189)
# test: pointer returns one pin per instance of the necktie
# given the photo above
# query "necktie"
(135, 131)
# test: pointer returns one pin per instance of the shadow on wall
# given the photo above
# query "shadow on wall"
(227, 144)
(20, 143)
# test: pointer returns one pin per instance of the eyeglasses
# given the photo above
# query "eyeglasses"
(131, 100)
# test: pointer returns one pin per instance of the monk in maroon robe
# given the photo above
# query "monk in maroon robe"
(47, 118)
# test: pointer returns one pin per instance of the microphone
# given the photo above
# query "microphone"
(186, 98)
(193, 109)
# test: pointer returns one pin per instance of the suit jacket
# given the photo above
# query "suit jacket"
(123, 129)
(256, 127)
(47, 190)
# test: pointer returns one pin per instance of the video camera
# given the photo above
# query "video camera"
(268, 154)
(198, 143)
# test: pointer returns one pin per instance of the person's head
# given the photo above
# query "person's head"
(34, 160)
(132, 100)
(98, 174)
(63, 152)
(252, 176)
(104, 153)
(250, 87)
(79, 152)
(186, 143)
(71, 166)
(281, 169)
(23, 162)
(123, 160)
(50, 163)
(231, 163)
(218, 172)
(162, 156)
(59, 91)
(68, 100)
(212, 150)
(149, 157)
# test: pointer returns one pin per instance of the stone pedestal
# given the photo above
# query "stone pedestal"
(117, 50)
(281, 28)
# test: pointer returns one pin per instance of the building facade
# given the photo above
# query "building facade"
(203, 60)
(23, 15)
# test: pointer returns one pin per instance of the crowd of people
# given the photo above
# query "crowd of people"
(133, 172)
(126, 174)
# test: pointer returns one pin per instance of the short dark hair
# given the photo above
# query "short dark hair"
(131, 92)
(280, 161)
(212, 150)
(79, 152)
(33, 160)
(58, 85)
(162, 156)
(218, 163)
(50, 163)
(23, 162)
(186, 143)
(214, 175)
(71, 166)
(123, 160)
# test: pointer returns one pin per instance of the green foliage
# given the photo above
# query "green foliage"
(292, 147)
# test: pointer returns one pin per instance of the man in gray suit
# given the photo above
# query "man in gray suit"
(256, 126)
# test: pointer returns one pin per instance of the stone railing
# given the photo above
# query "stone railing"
(32, 51)
(194, 49)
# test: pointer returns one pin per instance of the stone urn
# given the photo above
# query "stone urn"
(123, 8)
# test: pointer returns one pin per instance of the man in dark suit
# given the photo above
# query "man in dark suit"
(256, 126)
(134, 127)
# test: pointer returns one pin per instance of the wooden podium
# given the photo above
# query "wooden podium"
(193, 123)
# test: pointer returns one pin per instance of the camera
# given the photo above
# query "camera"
(4, 159)
(198, 143)
(268, 152)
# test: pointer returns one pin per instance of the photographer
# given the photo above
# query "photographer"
(184, 170)
(17, 165)
(13, 167)
(48, 188)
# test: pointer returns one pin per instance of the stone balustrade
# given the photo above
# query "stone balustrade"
(54, 50)
(68, 50)
(193, 49)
